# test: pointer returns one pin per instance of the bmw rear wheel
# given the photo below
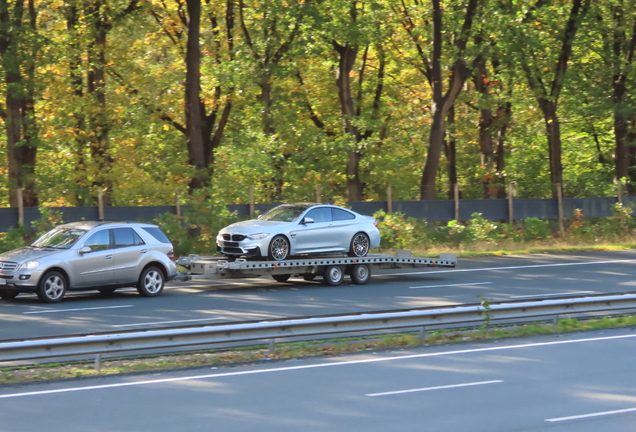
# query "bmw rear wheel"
(359, 245)
(278, 248)
(52, 287)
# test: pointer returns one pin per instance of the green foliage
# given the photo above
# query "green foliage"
(400, 233)
(195, 232)
(480, 229)
(536, 229)
(13, 239)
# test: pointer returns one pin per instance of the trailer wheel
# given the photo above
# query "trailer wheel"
(360, 274)
(333, 275)
(309, 276)
(281, 277)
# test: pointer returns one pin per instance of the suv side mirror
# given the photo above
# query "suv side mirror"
(307, 221)
(85, 250)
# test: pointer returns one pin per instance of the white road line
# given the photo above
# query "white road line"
(554, 294)
(453, 285)
(75, 310)
(166, 322)
(509, 268)
(314, 366)
(433, 388)
(598, 414)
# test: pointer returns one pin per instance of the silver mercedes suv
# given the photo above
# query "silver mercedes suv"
(89, 255)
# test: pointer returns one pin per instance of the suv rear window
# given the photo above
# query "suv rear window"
(157, 234)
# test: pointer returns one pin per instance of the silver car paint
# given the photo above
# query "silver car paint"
(321, 237)
(93, 269)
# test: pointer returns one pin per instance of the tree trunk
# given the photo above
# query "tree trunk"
(435, 143)
(553, 131)
(450, 147)
(194, 116)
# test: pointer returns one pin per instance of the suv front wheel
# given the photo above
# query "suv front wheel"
(52, 287)
(151, 282)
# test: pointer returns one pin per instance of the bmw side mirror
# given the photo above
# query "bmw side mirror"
(307, 220)
(85, 250)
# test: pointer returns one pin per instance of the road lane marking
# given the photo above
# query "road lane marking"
(314, 366)
(453, 285)
(509, 268)
(554, 294)
(166, 322)
(75, 310)
(433, 388)
(598, 414)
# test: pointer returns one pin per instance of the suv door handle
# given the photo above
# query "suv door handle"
(108, 257)
(143, 250)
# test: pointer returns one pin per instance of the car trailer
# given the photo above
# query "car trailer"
(331, 268)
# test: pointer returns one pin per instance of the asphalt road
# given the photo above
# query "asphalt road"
(580, 382)
(202, 302)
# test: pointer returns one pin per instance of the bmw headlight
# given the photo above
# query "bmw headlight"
(29, 265)
(257, 236)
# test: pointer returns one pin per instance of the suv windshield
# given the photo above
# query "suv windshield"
(285, 213)
(59, 238)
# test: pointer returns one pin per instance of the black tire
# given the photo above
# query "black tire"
(278, 249)
(360, 245)
(8, 295)
(107, 291)
(52, 287)
(309, 276)
(333, 275)
(151, 282)
(281, 277)
(360, 274)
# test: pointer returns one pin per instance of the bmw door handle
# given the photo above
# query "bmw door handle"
(108, 257)
(143, 250)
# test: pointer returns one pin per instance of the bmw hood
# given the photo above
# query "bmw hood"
(251, 226)
(27, 254)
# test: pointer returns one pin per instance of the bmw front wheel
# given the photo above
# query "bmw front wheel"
(278, 248)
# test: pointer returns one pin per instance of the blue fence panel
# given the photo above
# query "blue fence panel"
(432, 211)
(590, 207)
(493, 209)
(367, 207)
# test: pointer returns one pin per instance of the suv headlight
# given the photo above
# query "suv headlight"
(29, 265)
(257, 236)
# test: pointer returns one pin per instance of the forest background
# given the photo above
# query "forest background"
(142, 98)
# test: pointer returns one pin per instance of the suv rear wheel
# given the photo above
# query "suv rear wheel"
(151, 282)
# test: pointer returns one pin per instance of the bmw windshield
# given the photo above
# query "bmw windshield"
(59, 238)
(285, 213)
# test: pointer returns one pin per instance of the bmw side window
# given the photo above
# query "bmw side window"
(339, 215)
(124, 237)
(321, 214)
(98, 241)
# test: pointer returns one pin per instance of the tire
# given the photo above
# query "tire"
(278, 249)
(333, 275)
(151, 282)
(107, 291)
(309, 276)
(360, 274)
(281, 277)
(8, 295)
(52, 287)
(359, 245)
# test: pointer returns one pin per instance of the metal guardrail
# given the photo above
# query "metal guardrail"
(319, 326)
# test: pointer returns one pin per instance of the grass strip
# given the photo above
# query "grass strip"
(331, 347)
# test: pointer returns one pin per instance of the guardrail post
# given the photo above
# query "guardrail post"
(422, 334)
(98, 363)
(555, 320)
(272, 347)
